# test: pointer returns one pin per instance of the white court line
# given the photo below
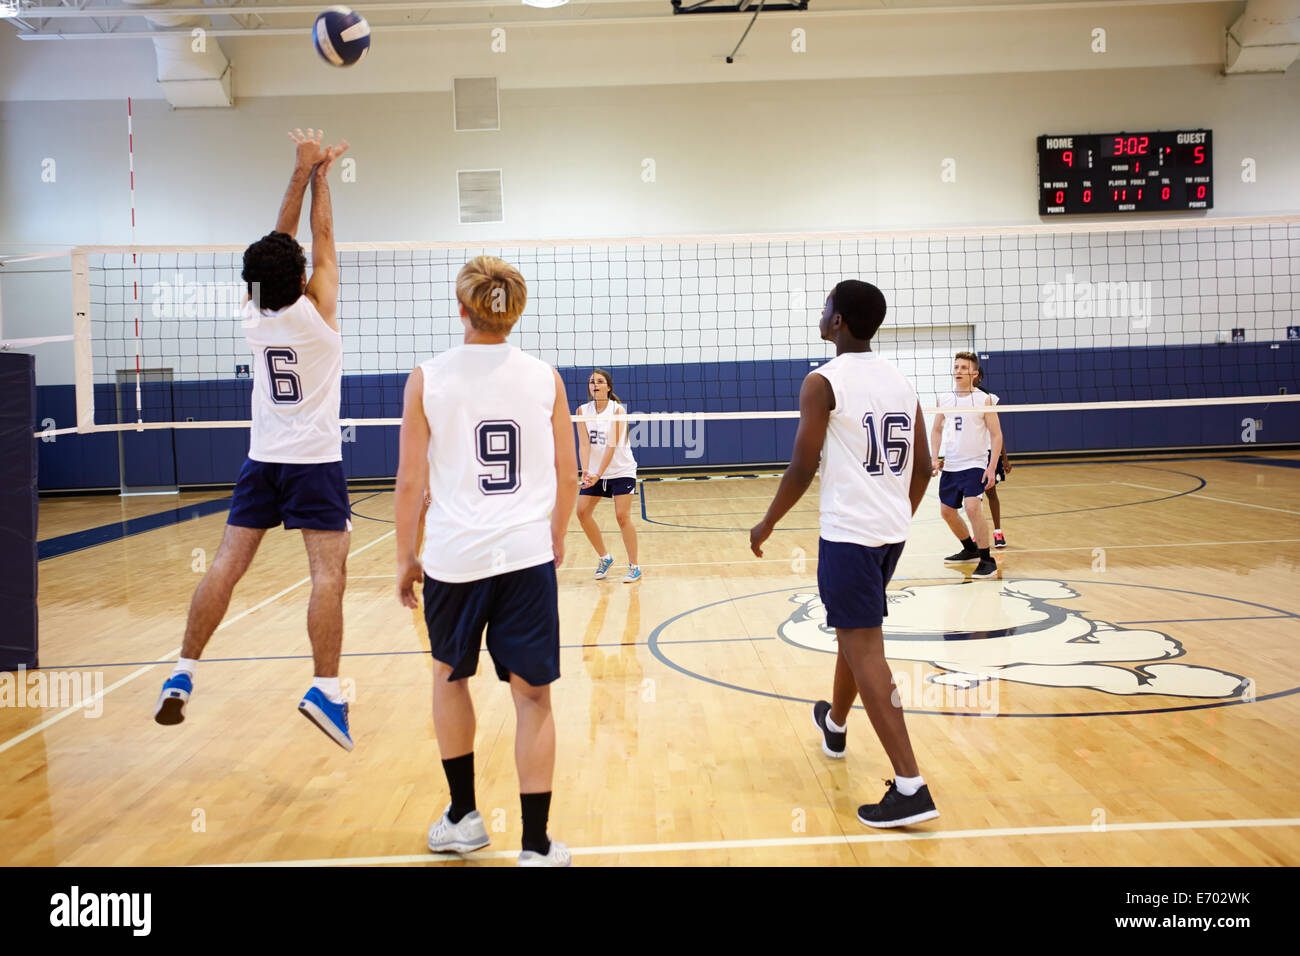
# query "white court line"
(691, 499)
(1226, 501)
(170, 655)
(895, 837)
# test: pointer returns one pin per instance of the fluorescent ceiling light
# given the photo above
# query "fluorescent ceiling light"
(545, 4)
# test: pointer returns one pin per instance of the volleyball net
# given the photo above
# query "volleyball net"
(1096, 337)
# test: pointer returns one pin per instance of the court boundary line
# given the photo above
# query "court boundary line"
(168, 657)
(1226, 501)
(842, 839)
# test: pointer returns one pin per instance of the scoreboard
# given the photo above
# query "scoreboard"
(1124, 172)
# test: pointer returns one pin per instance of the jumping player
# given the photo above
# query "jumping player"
(294, 471)
(608, 471)
(861, 417)
(1003, 469)
(971, 444)
(486, 433)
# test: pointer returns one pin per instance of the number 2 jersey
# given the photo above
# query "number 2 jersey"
(491, 462)
(966, 440)
(297, 375)
(866, 466)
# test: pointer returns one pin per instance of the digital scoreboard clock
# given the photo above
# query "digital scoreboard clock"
(1124, 172)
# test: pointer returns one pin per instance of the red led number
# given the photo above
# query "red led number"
(1200, 192)
(1060, 197)
(1068, 157)
(1164, 192)
(1087, 195)
(1199, 153)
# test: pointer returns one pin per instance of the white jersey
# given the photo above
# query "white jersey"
(867, 458)
(965, 437)
(601, 434)
(297, 373)
(491, 462)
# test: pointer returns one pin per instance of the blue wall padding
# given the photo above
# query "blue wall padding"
(1024, 377)
(18, 511)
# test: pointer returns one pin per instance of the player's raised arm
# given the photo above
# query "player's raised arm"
(815, 403)
(566, 492)
(323, 286)
(309, 154)
(920, 475)
(412, 483)
(995, 446)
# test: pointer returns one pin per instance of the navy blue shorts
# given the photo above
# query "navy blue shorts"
(609, 487)
(521, 612)
(956, 485)
(851, 579)
(314, 497)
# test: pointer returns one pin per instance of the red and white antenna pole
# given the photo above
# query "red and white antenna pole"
(135, 279)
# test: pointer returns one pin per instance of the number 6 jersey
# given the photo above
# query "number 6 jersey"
(491, 462)
(866, 467)
(297, 370)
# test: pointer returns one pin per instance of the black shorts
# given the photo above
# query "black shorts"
(956, 486)
(609, 487)
(314, 497)
(851, 580)
(521, 612)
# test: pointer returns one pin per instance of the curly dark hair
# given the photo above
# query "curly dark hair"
(274, 267)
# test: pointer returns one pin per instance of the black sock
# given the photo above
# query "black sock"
(968, 544)
(536, 809)
(984, 554)
(460, 778)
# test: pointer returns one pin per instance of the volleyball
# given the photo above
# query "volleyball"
(342, 36)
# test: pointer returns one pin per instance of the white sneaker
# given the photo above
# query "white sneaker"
(558, 856)
(463, 837)
(633, 574)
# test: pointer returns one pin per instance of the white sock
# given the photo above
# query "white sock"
(997, 530)
(834, 727)
(330, 688)
(185, 665)
(607, 557)
(908, 786)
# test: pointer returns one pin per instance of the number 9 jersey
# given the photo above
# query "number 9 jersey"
(866, 466)
(297, 373)
(491, 462)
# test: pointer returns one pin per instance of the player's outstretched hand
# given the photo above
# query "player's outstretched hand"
(408, 576)
(330, 154)
(310, 151)
(990, 476)
(757, 535)
(588, 479)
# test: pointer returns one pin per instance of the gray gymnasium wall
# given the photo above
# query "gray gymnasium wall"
(807, 156)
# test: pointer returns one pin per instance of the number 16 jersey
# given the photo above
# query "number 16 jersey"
(491, 462)
(297, 371)
(866, 466)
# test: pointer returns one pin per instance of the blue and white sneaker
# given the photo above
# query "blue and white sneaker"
(171, 702)
(330, 717)
(602, 568)
(633, 574)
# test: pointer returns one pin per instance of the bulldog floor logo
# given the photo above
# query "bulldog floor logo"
(958, 648)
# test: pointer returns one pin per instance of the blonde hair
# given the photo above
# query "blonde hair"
(493, 293)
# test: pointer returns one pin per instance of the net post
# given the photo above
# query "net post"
(83, 358)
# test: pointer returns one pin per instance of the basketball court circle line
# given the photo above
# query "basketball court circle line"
(796, 842)
(169, 656)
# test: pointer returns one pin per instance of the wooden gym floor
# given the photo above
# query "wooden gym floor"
(1125, 693)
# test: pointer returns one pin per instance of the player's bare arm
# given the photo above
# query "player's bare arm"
(566, 495)
(995, 443)
(816, 400)
(323, 286)
(936, 438)
(921, 452)
(309, 154)
(412, 483)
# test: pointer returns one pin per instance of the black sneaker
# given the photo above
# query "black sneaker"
(963, 556)
(832, 743)
(896, 810)
(988, 568)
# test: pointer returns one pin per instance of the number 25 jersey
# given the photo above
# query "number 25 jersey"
(297, 371)
(866, 467)
(491, 462)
